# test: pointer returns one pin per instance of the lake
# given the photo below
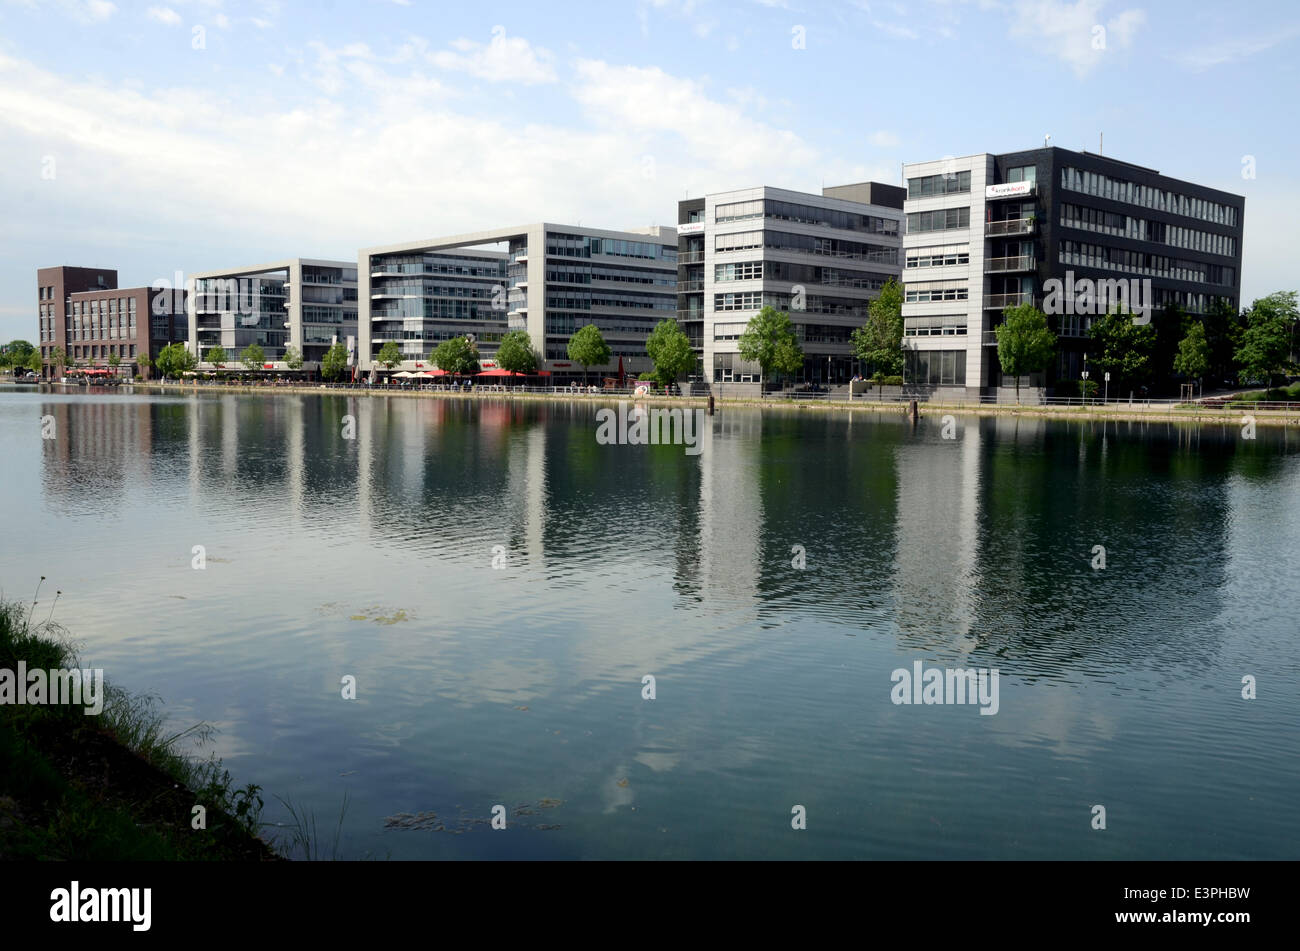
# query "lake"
(500, 584)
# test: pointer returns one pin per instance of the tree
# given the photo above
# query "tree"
(293, 357)
(1122, 348)
(58, 357)
(216, 356)
(516, 353)
(770, 341)
(253, 356)
(174, 360)
(879, 342)
(456, 355)
(334, 363)
(1025, 342)
(143, 362)
(670, 349)
(114, 361)
(34, 361)
(1224, 326)
(1266, 346)
(390, 355)
(16, 353)
(588, 348)
(1193, 357)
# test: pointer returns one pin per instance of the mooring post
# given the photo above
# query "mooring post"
(913, 411)
(710, 404)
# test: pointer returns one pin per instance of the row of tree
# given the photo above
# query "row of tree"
(1257, 346)
(667, 346)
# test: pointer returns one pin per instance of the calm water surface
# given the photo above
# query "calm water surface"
(522, 685)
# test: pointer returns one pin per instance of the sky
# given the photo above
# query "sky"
(185, 135)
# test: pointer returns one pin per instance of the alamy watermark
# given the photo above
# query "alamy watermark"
(59, 687)
(656, 427)
(1086, 297)
(946, 685)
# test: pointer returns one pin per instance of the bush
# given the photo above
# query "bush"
(646, 376)
(891, 381)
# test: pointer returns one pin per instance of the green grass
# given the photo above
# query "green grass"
(116, 786)
(1276, 395)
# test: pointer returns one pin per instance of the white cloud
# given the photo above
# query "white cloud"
(504, 59)
(391, 155)
(164, 15)
(1075, 32)
(886, 140)
(1231, 50)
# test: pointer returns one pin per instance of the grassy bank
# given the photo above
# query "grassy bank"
(112, 786)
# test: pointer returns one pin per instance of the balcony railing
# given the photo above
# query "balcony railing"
(687, 287)
(1012, 226)
(690, 257)
(999, 301)
(990, 338)
(690, 315)
(1020, 262)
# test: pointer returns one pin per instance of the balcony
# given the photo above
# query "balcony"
(690, 315)
(1008, 228)
(690, 257)
(990, 338)
(689, 287)
(999, 301)
(1020, 262)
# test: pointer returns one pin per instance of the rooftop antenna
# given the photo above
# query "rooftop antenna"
(1047, 138)
(1101, 143)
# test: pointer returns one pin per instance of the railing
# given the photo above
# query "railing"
(687, 287)
(1012, 226)
(690, 315)
(1020, 262)
(990, 338)
(690, 257)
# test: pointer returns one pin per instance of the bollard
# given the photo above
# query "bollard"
(913, 411)
(710, 404)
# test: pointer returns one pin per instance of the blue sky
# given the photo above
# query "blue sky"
(182, 135)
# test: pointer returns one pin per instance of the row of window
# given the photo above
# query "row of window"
(935, 367)
(1147, 196)
(1106, 222)
(938, 291)
(782, 241)
(940, 325)
(944, 219)
(436, 264)
(938, 257)
(567, 324)
(799, 274)
(584, 274)
(950, 184)
(1084, 254)
(97, 351)
(586, 301)
(804, 214)
(583, 246)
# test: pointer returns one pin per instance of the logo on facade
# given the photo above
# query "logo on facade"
(1086, 297)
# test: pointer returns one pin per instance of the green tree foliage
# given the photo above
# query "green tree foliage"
(174, 360)
(879, 342)
(253, 356)
(670, 349)
(1224, 326)
(335, 363)
(516, 353)
(58, 357)
(1193, 357)
(16, 353)
(457, 356)
(216, 356)
(34, 361)
(770, 341)
(390, 355)
(293, 357)
(1122, 348)
(1025, 342)
(588, 348)
(1268, 343)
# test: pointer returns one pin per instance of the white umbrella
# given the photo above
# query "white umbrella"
(403, 375)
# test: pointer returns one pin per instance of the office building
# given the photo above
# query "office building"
(821, 258)
(82, 311)
(546, 279)
(304, 303)
(1074, 233)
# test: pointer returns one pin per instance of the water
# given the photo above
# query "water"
(373, 558)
